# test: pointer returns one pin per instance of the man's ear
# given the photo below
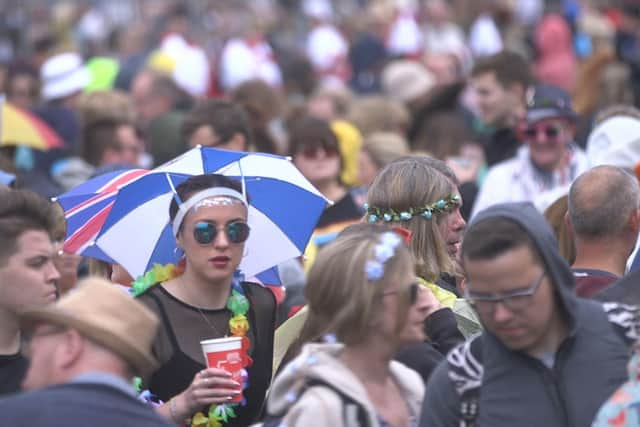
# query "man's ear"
(70, 350)
(633, 223)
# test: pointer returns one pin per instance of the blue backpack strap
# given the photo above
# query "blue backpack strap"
(625, 319)
(466, 372)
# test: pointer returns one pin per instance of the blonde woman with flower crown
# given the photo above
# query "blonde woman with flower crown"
(419, 193)
(362, 294)
(206, 298)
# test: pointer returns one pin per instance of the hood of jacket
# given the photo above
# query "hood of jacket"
(321, 362)
(527, 216)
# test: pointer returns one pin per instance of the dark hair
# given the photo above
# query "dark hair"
(508, 68)
(489, 238)
(262, 103)
(311, 132)
(97, 138)
(164, 86)
(225, 118)
(197, 183)
(22, 211)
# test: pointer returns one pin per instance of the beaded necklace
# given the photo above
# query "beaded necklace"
(238, 305)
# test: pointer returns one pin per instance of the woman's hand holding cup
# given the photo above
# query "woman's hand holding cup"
(209, 386)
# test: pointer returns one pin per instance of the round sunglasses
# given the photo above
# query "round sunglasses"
(206, 232)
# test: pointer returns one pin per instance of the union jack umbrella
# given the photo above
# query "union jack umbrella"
(87, 206)
(284, 208)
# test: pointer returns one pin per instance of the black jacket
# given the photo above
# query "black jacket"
(443, 334)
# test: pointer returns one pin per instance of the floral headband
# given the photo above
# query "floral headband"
(383, 252)
(375, 214)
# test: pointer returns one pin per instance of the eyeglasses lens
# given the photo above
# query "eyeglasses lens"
(206, 232)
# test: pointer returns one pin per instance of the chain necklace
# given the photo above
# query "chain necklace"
(204, 317)
(212, 326)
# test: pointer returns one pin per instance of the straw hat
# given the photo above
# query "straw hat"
(63, 75)
(102, 312)
(406, 80)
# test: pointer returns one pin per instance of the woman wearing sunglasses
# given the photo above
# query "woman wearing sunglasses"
(210, 300)
(362, 294)
(315, 151)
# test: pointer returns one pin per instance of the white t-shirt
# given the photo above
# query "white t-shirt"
(240, 62)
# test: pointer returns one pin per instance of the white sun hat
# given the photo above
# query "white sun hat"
(615, 141)
(62, 75)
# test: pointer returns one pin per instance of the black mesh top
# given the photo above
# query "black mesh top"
(177, 346)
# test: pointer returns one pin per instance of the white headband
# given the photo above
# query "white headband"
(202, 195)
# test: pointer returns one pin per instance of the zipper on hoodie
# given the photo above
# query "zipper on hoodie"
(553, 377)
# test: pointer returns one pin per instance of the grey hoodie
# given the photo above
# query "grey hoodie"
(321, 406)
(519, 390)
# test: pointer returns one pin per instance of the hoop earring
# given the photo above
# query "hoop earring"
(178, 253)
(246, 252)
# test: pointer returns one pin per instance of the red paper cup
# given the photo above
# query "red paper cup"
(225, 353)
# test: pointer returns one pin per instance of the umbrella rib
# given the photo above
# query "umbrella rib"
(244, 185)
(173, 189)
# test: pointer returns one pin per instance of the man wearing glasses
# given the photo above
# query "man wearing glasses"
(547, 162)
(546, 357)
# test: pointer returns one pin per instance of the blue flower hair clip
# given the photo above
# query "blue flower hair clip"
(376, 214)
(383, 252)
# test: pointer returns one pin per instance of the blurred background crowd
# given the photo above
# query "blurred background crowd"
(417, 114)
(390, 69)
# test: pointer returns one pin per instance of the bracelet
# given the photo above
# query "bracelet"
(172, 411)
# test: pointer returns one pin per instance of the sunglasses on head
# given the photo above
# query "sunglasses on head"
(549, 130)
(206, 232)
(312, 151)
(412, 289)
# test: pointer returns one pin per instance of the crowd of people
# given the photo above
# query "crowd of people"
(476, 264)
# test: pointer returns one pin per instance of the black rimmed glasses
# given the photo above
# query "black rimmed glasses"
(412, 289)
(206, 232)
(516, 300)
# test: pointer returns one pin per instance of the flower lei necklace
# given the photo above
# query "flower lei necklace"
(238, 304)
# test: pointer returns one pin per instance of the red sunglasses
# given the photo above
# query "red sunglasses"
(550, 131)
